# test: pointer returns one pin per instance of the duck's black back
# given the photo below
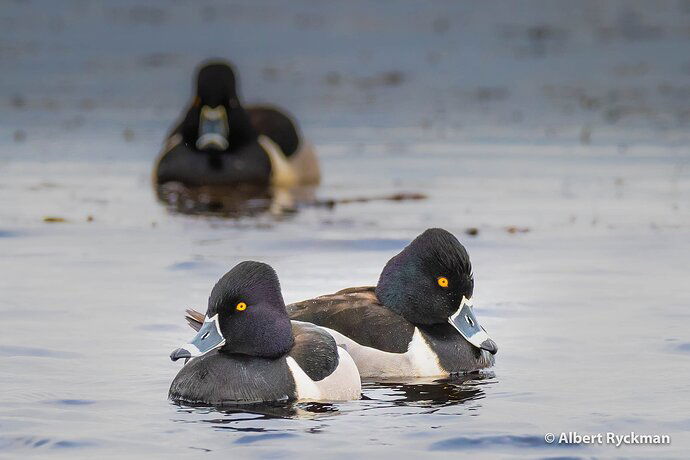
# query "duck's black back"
(357, 313)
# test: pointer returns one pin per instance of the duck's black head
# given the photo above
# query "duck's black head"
(218, 120)
(215, 84)
(246, 315)
(427, 280)
(430, 282)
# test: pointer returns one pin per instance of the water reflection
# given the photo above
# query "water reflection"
(246, 200)
(430, 392)
(262, 411)
(233, 201)
(426, 393)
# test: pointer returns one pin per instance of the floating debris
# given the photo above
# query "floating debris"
(514, 229)
(472, 231)
(54, 219)
(394, 197)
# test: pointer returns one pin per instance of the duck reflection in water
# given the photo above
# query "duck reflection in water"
(234, 201)
(454, 390)
(420, 392)
(231, 414)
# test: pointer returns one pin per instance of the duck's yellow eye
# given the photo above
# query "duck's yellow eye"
(241, 306)
(442, 281)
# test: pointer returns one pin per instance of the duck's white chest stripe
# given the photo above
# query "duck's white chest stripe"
(342, 385)
(419, 360)
(282, 173)
(422, 356)
(305, 388)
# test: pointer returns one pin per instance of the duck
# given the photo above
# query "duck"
(418, 321)
(219, 142)
(247, 350)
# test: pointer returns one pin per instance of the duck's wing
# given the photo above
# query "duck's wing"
(314, 350)
(276, 125)
(357, 314)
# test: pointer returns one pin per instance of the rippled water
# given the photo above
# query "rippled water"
(580, 257)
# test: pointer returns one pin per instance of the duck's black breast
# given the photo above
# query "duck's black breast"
(357, 314)
(276, 125)
(455, 354)
(218, 378)
(315, 350)
(248, 164)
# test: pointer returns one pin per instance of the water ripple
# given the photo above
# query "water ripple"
(263, 437)
(466, 442)
(13, 351)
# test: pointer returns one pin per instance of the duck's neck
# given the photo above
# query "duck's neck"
(396, 288)
(272, 340)
(240, 129)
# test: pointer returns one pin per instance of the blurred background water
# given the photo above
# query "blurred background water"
(551, 137)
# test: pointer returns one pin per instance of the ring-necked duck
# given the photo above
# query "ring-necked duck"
(418, 320)
(220, 142)
(248, 350)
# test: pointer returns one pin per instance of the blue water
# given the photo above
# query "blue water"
(557, 130)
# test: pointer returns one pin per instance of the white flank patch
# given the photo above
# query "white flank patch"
(423, 357)
(418, 361)
(305, 388)
(282, 173)
(343, 384)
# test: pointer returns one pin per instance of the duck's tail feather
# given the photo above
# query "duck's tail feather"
(194, 319)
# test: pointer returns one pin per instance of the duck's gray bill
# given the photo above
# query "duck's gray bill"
(213, 129)
(208, 338)
(466, 323)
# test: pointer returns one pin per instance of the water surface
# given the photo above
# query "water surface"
(560, 134)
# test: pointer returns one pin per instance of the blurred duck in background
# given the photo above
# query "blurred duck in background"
(221, 143)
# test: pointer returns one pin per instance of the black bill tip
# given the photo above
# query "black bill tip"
(490, 346)
(180, 353)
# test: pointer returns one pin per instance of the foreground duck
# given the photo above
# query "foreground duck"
(247, 349)
(417, 321)
(220, 142)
